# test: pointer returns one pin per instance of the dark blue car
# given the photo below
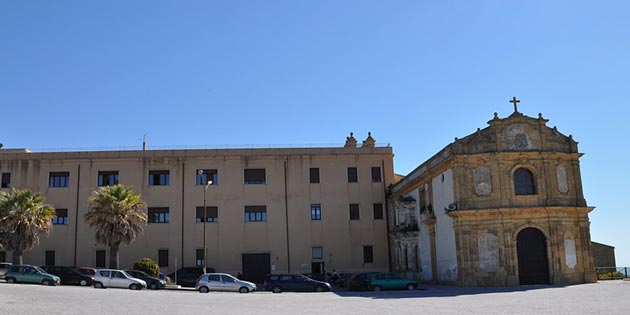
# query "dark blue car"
(294, 283)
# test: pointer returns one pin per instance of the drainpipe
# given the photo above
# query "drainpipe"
(183, 210)
(76, 216)
(286, 216)
(386, 214)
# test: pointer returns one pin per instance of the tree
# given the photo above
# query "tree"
(118, 216)
(147, 265)
(23, 217)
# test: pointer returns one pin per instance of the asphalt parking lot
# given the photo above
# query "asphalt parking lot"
(611, 297)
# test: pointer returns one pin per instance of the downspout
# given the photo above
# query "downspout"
(389, 254)
(76, 215)
(286, 216)
(183, 210)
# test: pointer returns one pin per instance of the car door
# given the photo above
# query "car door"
(31, 275)
(228, 283)
(214, 283)
(103, 277)
(118, 279)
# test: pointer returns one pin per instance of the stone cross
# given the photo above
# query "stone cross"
(515, 102)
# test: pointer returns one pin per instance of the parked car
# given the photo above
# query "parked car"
(112, 278)
(222, 282)
(30, 274)
(4, 267)
(294, 283)
(390, 281)
(187, 276)
(360, 282)
(69, 275)
(88, 271)
(152, 283)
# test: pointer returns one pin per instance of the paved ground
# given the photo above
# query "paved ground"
(611, 297)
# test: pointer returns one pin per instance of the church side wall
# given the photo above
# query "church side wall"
(443, 196)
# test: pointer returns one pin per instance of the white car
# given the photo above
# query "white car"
(112, 278)
(223, 282)
(4, 267)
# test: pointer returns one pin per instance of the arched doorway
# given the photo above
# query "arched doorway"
(533, 267)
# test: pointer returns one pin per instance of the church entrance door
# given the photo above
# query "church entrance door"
(533, 267)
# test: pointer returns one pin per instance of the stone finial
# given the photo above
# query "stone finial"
(369, 141)
(351, 142)
(496, 115)
(540, 116)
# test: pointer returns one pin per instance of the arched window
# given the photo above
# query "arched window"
(524, 183)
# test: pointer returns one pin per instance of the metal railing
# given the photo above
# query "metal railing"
(612, 273)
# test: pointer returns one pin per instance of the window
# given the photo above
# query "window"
(159, 178)
(107, 178)
(376, 174)
(158, 215)
(255, 213)
(378, 211)
(317, 252)
(6, 180)
(368, 254)
(61, 216)
(212, 214)
(214, 278)
(352, 175)
(227, 279)
(3, 256)
(354, 212)
(50, 258)
(100, 259)
(163, 257)
(203, 176)
(314, 175)
(199, 257)
(58, 179)
(255, 176)
(524, 182)
(316, 211)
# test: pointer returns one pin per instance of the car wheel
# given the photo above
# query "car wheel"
(204, 290)
(83, 283)
(377, 288)
(98, 285)
(411, 286)
(46, 282)
(319, 289)
(10, 280)
(276, 289)
(243, 290)
(153, 286)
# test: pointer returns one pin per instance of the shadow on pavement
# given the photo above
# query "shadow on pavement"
(431, 291)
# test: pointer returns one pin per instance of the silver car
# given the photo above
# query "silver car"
(4, 267)
(223, 282)
(112, 278)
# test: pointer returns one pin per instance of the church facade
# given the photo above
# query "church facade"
(500, 207)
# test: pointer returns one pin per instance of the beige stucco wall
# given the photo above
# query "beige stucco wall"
(342, 240)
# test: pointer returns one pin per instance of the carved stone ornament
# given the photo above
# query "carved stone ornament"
(561, 176)
(483, 181)
(488, 252)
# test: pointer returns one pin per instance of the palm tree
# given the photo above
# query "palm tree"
(117, 213)
(23, 216)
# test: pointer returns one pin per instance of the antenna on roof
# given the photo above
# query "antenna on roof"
(144, 142)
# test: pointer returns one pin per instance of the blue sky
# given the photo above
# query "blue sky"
(416, 74)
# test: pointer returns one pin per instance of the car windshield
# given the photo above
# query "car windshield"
(303, 278)
(126, 274)
(40, 270)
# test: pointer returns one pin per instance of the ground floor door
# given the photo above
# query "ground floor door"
(256, 267)
(533, 266)
(318, 270)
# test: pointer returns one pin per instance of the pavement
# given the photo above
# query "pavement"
(606, 297)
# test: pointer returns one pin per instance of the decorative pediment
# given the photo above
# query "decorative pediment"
(515, 133)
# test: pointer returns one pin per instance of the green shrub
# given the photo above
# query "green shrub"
(147, 265)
